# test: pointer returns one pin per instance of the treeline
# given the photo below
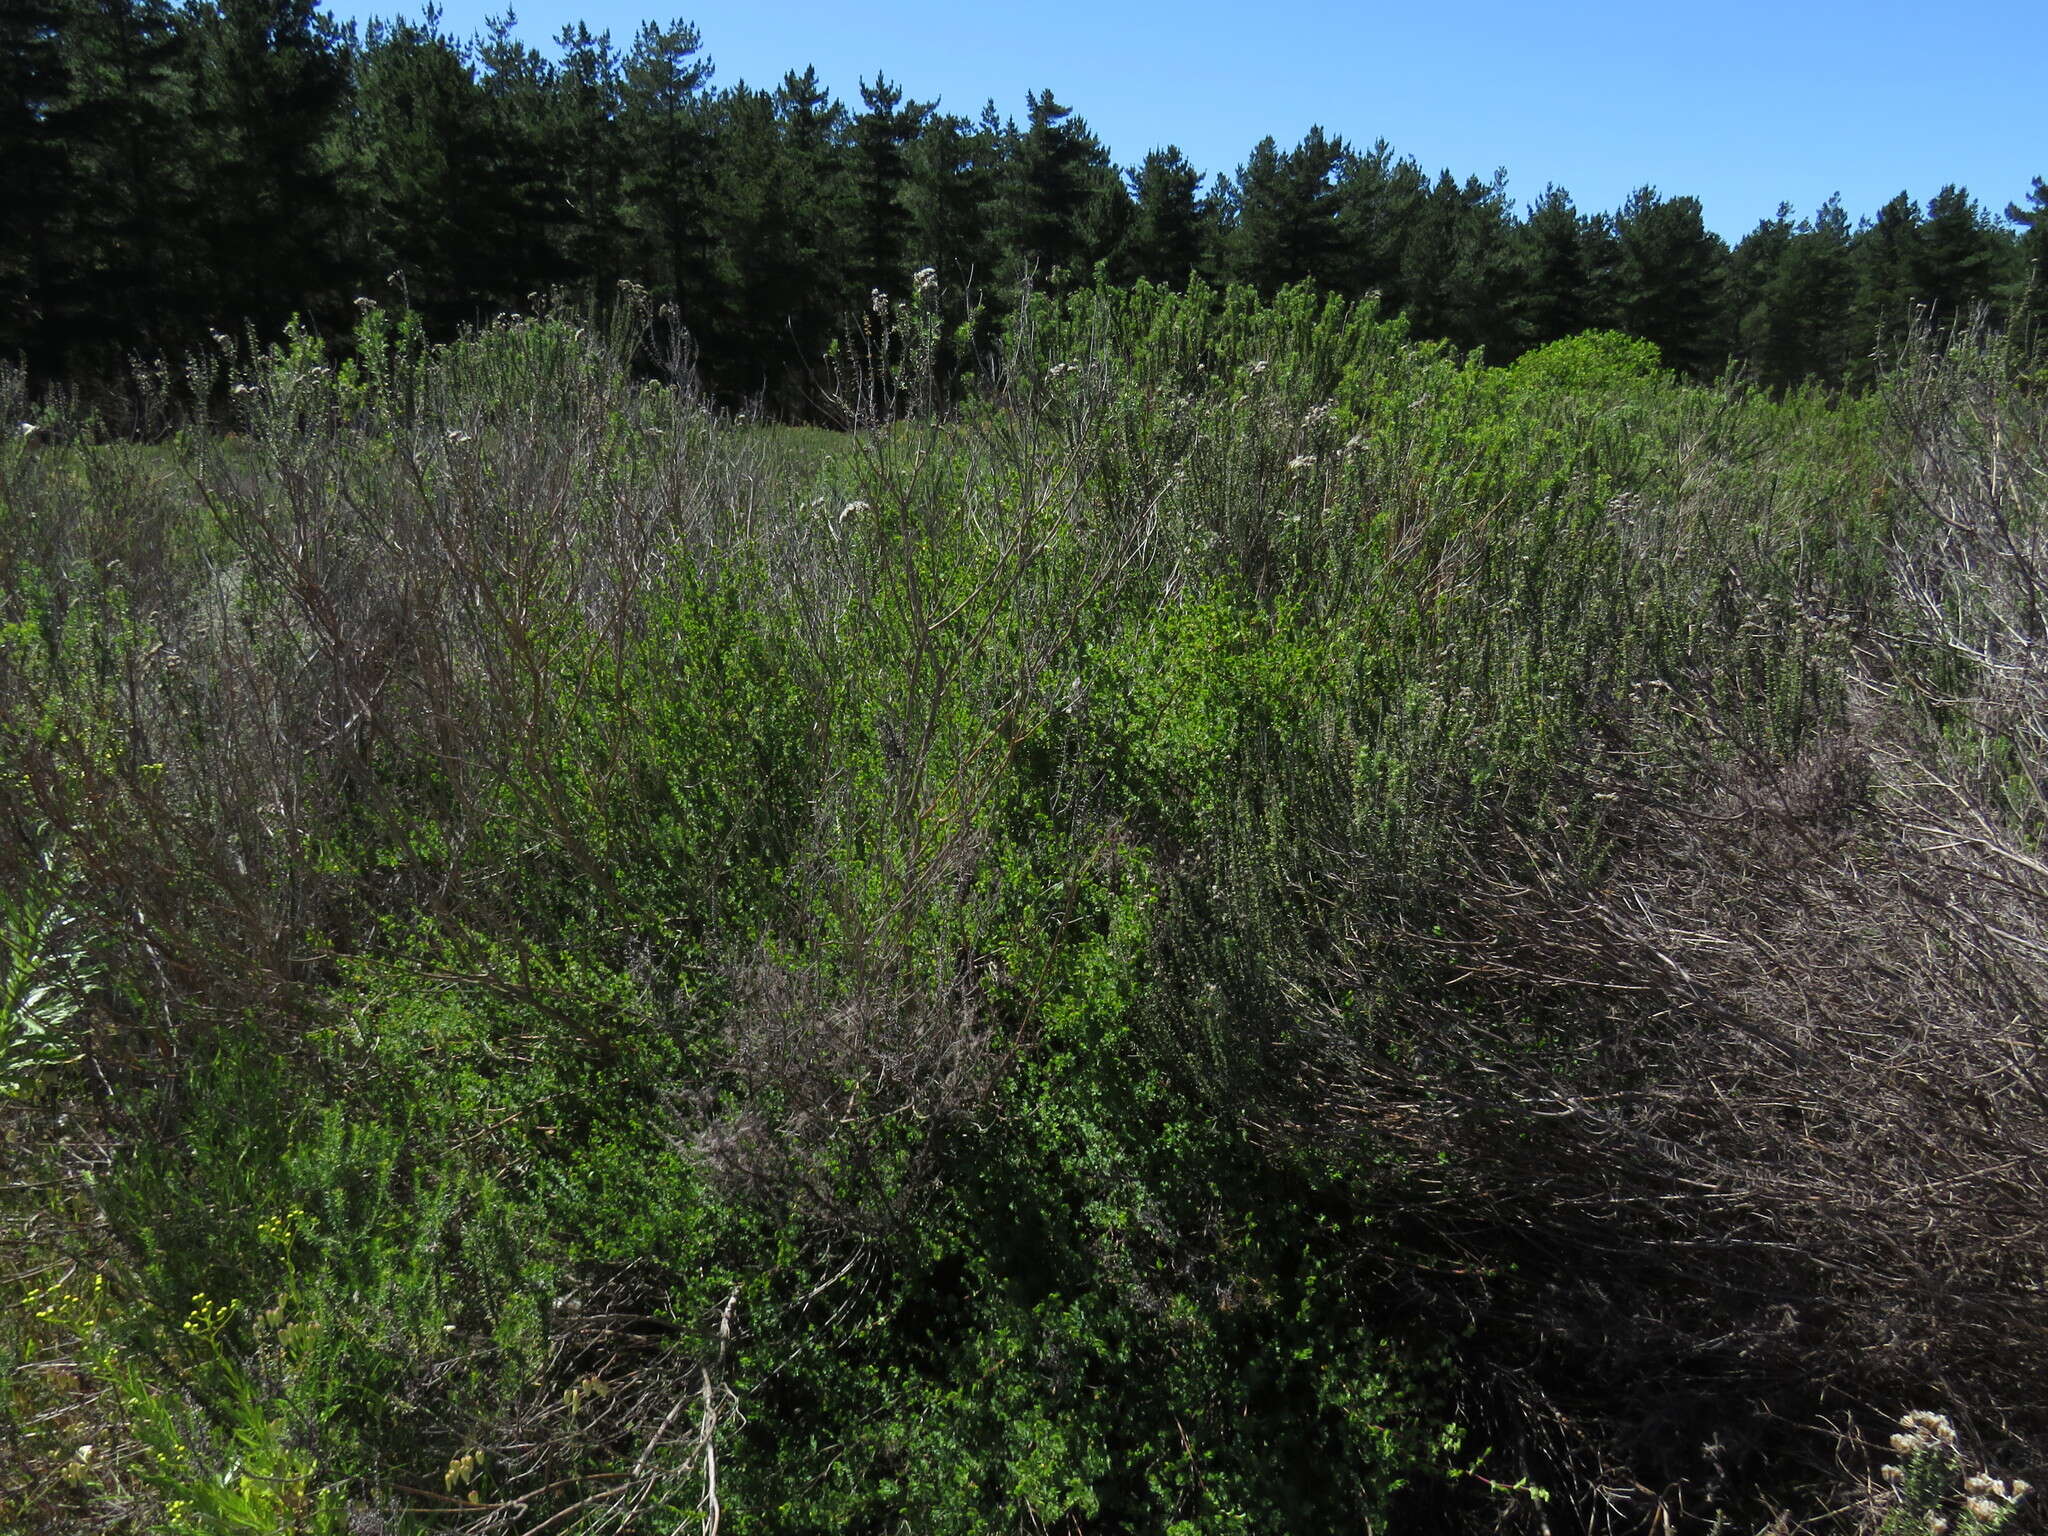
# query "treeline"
(173, 169)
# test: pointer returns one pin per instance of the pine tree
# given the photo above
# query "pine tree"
(957, 169)
(1285, 228)
(1453, 264)
(1379, 202)
(754, 219)
(819, 188)
(881, 139)
(271, 85)
(1482, 276)
(1817, 288)
(525, 191)
(2029, 296)
(781, 211)
(1799, 324)
(414, 122)
(1063, 195)
(1957, 267)
(1886, 257)
(1752, 266)
(1255, 248)
(1670, 279)
(1165, 243)
(39, 183)
(132, 276)
(665, 124)
(449, 213)
(587, 137)
(1601, 242)
(1552, 287)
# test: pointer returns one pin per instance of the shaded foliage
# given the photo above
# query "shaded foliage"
(316, 165)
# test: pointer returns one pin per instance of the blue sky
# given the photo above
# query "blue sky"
(1742, 104)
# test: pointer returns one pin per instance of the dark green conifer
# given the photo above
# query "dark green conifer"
(1957, 266)
(1752, 266)
(1455, 261)
(957, 167)
(881, 140)
(1800, 298)
(587, 136)
(1166, 239)
(2029, 297)
(38, 173)
(668, 184)
(1886, 257)
(1670, 279)
(1066, 202)
(1379, 201)
(271, 86)
(1285, 229)
(1552, 288)
(131, 275)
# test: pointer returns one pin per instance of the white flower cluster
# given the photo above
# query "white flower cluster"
(1988, 1502)
(1990, 1498)
(1923, 1432)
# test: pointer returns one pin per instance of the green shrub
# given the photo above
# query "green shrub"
(1262, 928)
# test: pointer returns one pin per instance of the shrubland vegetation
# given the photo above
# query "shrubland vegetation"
(1247, 925)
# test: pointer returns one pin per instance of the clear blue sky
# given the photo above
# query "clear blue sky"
(1739, 103)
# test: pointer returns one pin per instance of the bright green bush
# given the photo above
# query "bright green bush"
(1591, 360)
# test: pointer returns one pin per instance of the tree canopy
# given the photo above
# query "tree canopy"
(317, 163)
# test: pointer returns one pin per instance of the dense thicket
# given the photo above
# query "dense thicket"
(1262, 928)
(174, 169)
